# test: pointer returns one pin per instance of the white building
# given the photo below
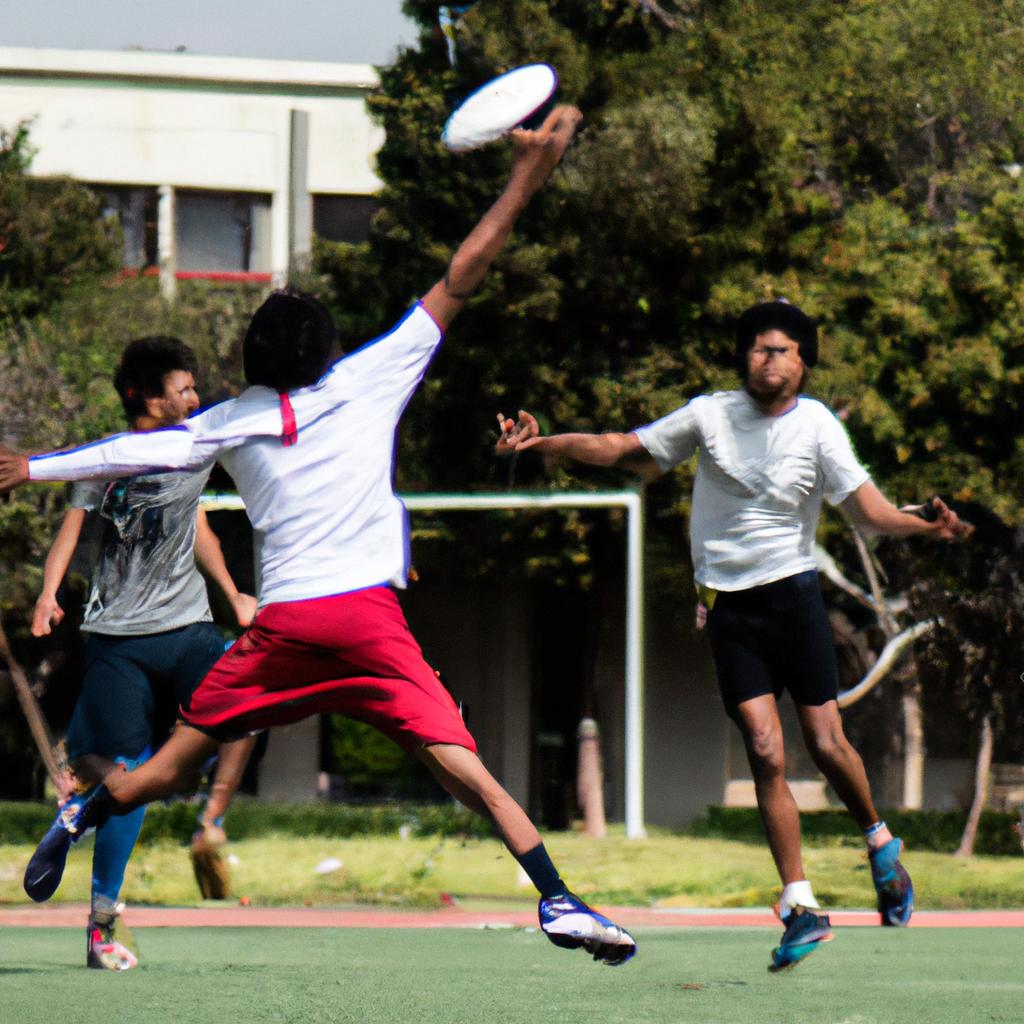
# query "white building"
(216, 166)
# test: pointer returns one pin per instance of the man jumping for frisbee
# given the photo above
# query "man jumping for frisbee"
(767, 457)
(310, 446)
(150, 633)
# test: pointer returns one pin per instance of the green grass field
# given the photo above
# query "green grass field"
(666, 871)
(308, 976)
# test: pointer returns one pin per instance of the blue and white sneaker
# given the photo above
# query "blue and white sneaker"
(75, 817)
(568, 922)
(805, 930)
(892, 883)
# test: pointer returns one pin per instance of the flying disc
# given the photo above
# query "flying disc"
(500, 106)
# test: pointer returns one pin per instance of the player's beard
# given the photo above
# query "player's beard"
(765, 392)
(768, 392)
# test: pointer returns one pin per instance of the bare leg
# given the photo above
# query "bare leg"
(231, 762)
(758, 720)
(839, 762)
(463, 775)
(171, 770)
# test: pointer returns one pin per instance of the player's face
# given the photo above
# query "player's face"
(775, 370)
(178, 401)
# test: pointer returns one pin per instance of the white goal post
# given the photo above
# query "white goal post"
(632, 502)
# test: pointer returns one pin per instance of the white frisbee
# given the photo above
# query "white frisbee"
(498, 107)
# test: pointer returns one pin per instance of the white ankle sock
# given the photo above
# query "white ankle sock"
(797, 894)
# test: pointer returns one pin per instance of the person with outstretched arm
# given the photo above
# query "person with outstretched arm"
(768, 455)
(310, 446)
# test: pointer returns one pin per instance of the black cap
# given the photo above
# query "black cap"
(782, 316)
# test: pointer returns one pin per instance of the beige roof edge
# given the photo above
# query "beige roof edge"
(35, 62)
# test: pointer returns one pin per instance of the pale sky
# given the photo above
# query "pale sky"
(331, 30)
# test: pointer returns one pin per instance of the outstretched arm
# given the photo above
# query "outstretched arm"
(624, 451)
(190, 446)
(536, 154)
(868, 507)
(47, 611)
(210, 557)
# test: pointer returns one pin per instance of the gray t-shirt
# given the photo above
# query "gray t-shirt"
(145, 580)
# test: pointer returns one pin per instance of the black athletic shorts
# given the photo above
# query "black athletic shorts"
(773, 638)
(134, 685)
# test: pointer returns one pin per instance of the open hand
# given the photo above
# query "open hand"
(514, 436)
(537, 152)
(13, 469)
(945, 523)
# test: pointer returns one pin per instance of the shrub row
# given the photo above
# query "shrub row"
(920, 830)
(26, 822)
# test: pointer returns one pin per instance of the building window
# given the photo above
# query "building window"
(134, 208)
(222, 231)
(343, 218)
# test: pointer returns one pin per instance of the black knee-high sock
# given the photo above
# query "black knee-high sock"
(543, 873)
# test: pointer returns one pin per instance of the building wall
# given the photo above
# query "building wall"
(180, 121)
(190, 134)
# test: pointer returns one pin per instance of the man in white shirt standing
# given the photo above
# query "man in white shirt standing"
(767, 458)
(311, 446)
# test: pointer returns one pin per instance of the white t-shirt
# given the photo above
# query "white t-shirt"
(759, 484)
(326, 517)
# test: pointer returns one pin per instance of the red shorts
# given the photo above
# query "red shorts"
(352, 654)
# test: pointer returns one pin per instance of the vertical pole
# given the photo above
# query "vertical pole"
(300, 218)
(281, 206)
(634, 668)
(166, 242)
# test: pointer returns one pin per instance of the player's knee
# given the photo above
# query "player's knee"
(828, 747)
(767, 754)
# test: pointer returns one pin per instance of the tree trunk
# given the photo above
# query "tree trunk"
(33, 714)
(981, 778)
(913, 743)
(590, 779)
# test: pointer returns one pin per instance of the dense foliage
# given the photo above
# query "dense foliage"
(860, 159)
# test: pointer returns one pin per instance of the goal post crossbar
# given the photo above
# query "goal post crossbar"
(632, 502)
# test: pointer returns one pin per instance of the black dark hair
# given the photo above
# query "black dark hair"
(289, 342)
(144, 364)
(781, 316)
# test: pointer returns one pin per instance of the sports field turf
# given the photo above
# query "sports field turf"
(705, 976)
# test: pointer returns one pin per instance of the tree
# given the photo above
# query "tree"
(742, 151)
(65, 316)
(52, 236)
(976, 595)
(862, 160)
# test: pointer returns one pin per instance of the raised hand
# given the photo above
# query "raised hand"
(536, 153)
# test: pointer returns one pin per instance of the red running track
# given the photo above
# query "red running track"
(72, 915)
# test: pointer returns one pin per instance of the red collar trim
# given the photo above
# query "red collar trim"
(289, 431)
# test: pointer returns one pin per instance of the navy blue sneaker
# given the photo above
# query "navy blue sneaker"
(77, 815)
(892, 883)
(568, 922)
(805, 930)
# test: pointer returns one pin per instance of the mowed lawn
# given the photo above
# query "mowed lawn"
(664, 870)
(705, 976)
